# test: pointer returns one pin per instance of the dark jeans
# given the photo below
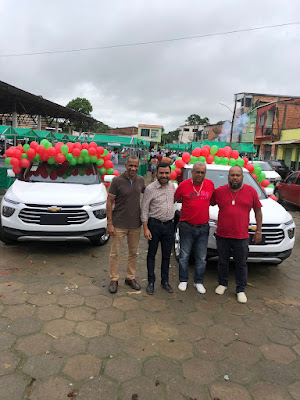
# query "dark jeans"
(193, 238)
(163, 233)
(238, 248)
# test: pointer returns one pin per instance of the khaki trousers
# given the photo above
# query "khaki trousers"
(133, 237)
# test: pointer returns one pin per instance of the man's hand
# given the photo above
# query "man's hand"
(257, 237)
(111, 229)
(147, 234)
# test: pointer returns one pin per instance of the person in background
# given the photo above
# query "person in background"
(153, 164)
(114, 156)
(235, 202)
(159, 156)
(157, 219)
(124, 221)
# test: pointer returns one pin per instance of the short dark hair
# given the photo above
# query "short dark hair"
(163, 165)
(132, 157)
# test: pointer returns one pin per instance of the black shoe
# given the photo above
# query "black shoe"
(133, 284)
(150, 288)
(167, 287)
(113, 287)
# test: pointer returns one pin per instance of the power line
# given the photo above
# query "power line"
(150, 42)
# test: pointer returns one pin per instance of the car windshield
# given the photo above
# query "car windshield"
(264, 166)
(275, 163)
(84, 174)
(220, 178)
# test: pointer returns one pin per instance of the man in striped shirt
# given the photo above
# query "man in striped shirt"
(157, 219)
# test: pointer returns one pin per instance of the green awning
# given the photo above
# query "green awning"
(24, 133)
(61, 137)
(72, 138)
(243, 147)
(4, 128)
(44, 134)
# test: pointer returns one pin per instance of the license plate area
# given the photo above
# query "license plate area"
(55, 219)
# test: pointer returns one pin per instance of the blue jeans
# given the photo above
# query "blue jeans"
(193, 238)
(238, 248)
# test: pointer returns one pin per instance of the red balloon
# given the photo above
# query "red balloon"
(14, 161)
(205, 152)
(31, 153)
(93, 144)
(45, 156)
(20, 147)
(60, 158)
(206, 147)
(40, 149)
(116, 172)
(76, 152)
(44, 174)
(250, 167)
(173, 175)
(227, 151)
(92, 151)
(24, 163)
(108, 164)
(254, 176)
(16, 169)
(273, 197)
(245, 161)
(18, 154)
(34, 145)
(71, 146)
(75, 172)
(77, 145)
(100, 150)
(186, 157)
(220, 153)
(10, 152)
(209, 159)
(58, 146)
(265, 183)
(196, 152)
(179, 163)
(84, 146)
(53, 175)
(235, 154)
(107, 157)
(60, 172)
(178, 171)
(51, 152)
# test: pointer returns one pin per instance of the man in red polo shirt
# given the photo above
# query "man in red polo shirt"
(235, 202)
(195, 195)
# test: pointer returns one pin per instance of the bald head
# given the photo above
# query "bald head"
(235, 178)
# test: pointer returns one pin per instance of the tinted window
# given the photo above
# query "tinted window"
(264, 166)
(298, 181)
(291, 178)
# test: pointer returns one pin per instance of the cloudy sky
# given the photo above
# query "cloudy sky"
(159, 83)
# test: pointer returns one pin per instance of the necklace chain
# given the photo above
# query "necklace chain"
(197, 191)
(233, 198)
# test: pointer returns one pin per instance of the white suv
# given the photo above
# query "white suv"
(55, 203)
(278, 228)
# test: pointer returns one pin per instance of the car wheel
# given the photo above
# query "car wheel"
(5, 239)
(100, 240)
(176, 242)
(277, 195)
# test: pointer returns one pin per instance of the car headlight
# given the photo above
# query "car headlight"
(291, 233)
(100, 214)
(288, 223)
(7, 211)
(11, 201)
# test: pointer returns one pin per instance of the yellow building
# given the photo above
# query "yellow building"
(289, 148)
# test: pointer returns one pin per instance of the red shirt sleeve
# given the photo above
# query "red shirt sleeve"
(178, 193)
(256, 203)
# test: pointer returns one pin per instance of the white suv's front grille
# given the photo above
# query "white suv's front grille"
(60, 215)
(270, 235)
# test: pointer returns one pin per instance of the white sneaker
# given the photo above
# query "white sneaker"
(220, 289)
(182, 286)
(200, 288)
(241, 297)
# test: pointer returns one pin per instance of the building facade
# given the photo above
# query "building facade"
(151, 133)
(190, 133)
(126, 131)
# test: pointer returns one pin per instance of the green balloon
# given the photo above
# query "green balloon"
(37, 158)
(217, 160)
(43, 142)
(69, 156)
(271, 186)
(261, 177)
(193, 159)
(7, 160)
(257, 170)
(84, 152)
(213, 149)
(172, 166)
(73, 161)
(64, 149)
(105, 152)
(79, 160)
(26, 147)
(87, 159)
(102, 171)
(202, 159)
(93, 159)
(68, 172)
(225, 160)
(232, 162)
(240, 162)
(24, 155)
(47, 145)
(110, 171)
(81, 172)
(100, 162)
(51, 160)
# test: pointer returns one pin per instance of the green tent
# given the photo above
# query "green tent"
(72, 138)
(44, 135)
(3, 129)
(24, 133)
(61, 137)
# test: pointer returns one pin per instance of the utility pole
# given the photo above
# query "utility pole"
(233, 116)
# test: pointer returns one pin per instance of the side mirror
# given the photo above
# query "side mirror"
(108, 178)
(10, 173)
(269, 191)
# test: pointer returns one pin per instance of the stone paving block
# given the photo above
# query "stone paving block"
(200, 371)
(15, 298)
(91, 329)
(70, 300)
(244, 352)
(234, 307)
(141, 347)
(297, 348)
(13, 386)
(125, 303)
(181, 388)
(182, 303)
(123, 368)
(266, 391)
(88, 290)
(209, 307)
(80, 314)
(98, 388)
(282, 336)
(42, 299)
(257, 322)
(6, 340)
(36, 287)
(229, 391)
(82, 367)
(52, 311)
(105, 346)
(285, 321)
(18, 311)
(162, 369)
(209, 349)
(42, 366)
(230, 320)
(191, 332)
(201, 319)
(124, 330)
(153, 304)
(59, 327)
(60, 289)
(159, 331)
(177, 349)
(140, 316)
(278, 353)
(143, 388)
(294, 390)
(170, 317)
(237, 371)
(294, 367)
(251, 335)
(274, 372)
(70, 344)
(98, 302)
(80, 280)
(8, 362)
(221, 334)
(53, 388)
(34, 344)
(25, 326)
(109, 315)
(11, 286)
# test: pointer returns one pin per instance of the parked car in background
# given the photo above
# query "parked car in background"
(280, 167)
(289, 189)
(270, 173)
(278, 227)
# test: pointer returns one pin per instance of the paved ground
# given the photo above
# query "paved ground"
(62, 335)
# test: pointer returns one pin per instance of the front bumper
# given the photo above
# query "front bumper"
(253, 257)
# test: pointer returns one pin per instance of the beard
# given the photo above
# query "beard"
(235, 185)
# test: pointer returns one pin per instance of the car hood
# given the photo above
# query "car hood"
(271, 175)
(56, 193)
(272, 212)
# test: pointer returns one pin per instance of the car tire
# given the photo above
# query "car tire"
(176, 242)
(5, 239)
(100, 240)
(278, 197)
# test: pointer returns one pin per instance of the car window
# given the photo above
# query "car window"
(84, 174)
(275, 163)
(298, 180)
(264, 166)
(291, 178)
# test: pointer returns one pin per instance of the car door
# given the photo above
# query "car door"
(295, 191)
(288, 187)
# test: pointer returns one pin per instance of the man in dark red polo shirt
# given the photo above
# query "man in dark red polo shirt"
(235, 202)
(195, 195)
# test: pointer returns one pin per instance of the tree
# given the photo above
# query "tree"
(81, 105)
(171, 137)
(195, 119)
